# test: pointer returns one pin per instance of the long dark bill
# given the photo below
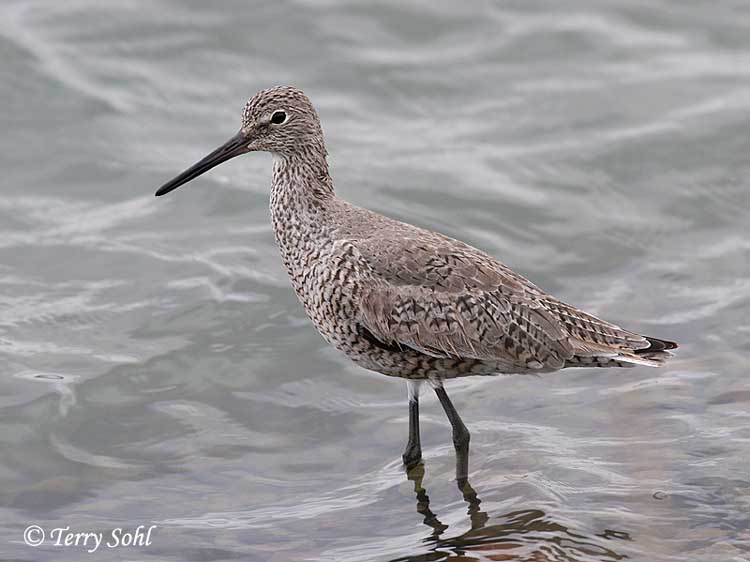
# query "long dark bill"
(233, 147)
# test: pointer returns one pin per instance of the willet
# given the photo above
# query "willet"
(401, 300)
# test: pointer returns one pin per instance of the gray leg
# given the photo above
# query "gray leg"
(413, 453)
(461, 435)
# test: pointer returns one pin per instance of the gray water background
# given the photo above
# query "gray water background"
(155, 367)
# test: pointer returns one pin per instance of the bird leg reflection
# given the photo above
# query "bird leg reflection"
(478, 517)
(416, 475)
(522, 534)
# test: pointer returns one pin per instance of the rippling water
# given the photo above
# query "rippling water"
(157, 369)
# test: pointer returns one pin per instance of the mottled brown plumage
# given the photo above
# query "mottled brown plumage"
(402, 300)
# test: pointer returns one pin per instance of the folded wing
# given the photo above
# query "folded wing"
(444, 298)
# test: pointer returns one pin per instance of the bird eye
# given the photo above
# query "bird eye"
(278, 117)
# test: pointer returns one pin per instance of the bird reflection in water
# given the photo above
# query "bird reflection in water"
(523, 535)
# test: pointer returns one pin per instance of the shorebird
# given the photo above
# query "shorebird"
(401, 300)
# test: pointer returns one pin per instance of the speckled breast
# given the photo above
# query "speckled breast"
(325, 277)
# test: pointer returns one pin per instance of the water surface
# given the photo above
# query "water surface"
(157, 369)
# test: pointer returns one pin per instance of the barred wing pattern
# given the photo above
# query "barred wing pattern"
(446, 299)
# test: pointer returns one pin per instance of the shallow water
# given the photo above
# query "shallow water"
(157, 369)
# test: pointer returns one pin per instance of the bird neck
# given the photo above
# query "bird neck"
(300, 193)
(301, 178)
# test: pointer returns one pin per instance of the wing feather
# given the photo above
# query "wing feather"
(447, 299)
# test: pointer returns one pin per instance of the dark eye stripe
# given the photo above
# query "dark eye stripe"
(278, 117)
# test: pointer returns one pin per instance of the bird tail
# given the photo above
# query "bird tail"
(655, 354)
